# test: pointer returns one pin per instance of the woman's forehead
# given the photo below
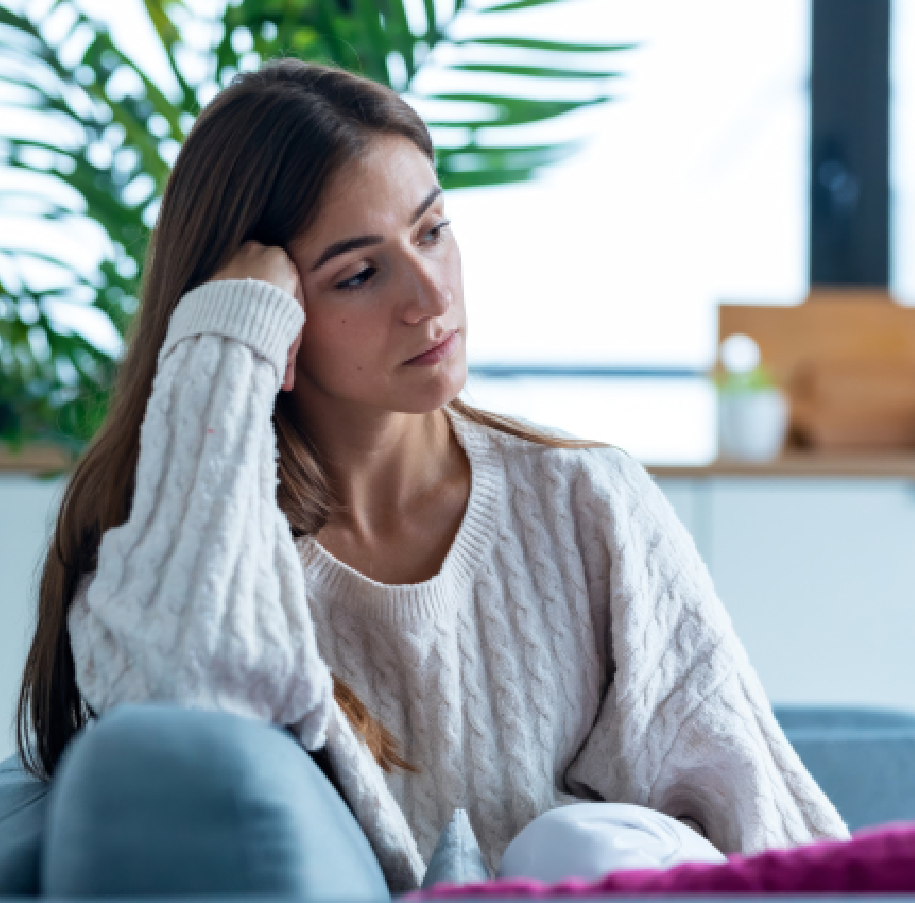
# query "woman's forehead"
(392, 172)
(386, 190)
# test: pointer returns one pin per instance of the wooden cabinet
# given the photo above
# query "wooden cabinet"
(846, 358)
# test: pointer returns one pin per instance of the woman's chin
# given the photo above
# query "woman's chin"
(438, 387)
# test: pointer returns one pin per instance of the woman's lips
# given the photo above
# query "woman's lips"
(439, 352)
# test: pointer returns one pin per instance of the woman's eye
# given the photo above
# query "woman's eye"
(436, 231)
(358, 280)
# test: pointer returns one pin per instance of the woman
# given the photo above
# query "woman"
(513, 621)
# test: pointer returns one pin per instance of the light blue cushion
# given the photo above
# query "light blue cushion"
(826, 718)
(158, 800)
(863, 759)
(456, 858)
(23, 800)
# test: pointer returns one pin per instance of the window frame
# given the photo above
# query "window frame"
(849, 232)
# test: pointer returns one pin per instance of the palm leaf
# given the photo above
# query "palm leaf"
(512, 110)
(513, 5)
(352, 35)
(534, 71)
(541, 45)
(158, 13)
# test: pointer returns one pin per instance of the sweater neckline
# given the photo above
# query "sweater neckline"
(416, 601)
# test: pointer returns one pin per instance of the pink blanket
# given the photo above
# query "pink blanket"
(879, 860)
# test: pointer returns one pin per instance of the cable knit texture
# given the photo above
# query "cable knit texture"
(571, 647)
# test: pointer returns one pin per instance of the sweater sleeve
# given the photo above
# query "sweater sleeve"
(684, 727)
(199, 597)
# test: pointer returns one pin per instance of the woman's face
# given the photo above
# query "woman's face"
(385, 325)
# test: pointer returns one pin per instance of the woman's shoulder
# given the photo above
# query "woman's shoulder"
(527, 443)
(608, 492)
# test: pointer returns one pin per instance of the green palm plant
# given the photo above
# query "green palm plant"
(115, 132)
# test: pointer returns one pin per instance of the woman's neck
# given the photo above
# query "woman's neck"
(402, 485)
(379, 463)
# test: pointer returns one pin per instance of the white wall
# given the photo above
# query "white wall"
(818, 575)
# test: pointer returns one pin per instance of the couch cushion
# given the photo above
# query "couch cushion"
(825, 718)
(23, 800)
(863, 759)
(163, 801)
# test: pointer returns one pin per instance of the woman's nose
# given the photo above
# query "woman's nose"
(426, 292)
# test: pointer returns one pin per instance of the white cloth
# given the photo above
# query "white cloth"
(571, 647)
(590, 840)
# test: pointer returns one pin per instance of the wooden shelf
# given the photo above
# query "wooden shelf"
(39, 459)
(36, 458)
(894, 466)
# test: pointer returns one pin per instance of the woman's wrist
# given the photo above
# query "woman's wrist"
(251, 311)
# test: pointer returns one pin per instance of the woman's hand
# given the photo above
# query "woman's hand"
(269, 264)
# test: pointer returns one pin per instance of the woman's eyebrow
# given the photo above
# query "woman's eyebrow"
(348, 244)
(428, 201)
(363, 241)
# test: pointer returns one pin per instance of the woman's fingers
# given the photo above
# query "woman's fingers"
(268, 263)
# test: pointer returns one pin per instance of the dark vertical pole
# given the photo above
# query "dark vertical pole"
(849, 204)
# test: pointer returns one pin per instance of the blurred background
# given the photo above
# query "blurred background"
(687, 226)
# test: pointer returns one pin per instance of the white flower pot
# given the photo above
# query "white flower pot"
(752, 425)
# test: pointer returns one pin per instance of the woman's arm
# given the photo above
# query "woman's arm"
(685, 726)
(199, 597)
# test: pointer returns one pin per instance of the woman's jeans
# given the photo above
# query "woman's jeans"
(158, 800)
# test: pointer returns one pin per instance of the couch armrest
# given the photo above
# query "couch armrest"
(159, 800)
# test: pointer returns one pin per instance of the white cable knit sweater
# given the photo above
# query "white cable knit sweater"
(572, 645)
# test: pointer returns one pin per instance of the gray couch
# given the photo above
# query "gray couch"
(160, 801)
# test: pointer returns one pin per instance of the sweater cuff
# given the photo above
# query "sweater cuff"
(252, 311)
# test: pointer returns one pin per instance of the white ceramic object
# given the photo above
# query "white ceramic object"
(752, 425)
(739, 354)
(588, 840)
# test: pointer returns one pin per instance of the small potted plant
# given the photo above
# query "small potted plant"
(752, 409)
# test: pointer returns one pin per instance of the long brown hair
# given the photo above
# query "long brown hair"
(252, 168)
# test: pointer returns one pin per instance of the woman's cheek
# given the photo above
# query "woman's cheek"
(320, 342)
(357, 340)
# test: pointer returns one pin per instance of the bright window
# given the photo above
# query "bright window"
(691, 190)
